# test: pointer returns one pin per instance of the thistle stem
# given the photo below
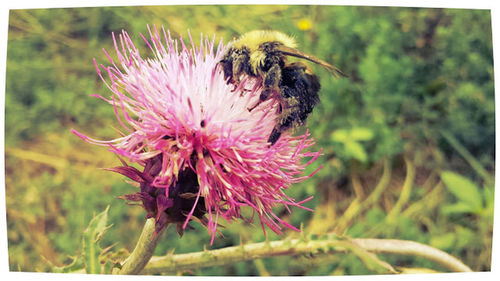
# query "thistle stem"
(363, 248)
(411, 248)
(143, 251)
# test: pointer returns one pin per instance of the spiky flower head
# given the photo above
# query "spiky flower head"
(205, 155)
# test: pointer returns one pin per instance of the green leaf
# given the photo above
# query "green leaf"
(444, 242)
(90, 242)
(356, 150)
(458, 208)
(340, 135)
(465, 235)
(474, 163)
(111, 260)
(354, 134)
(75, 266)
(489, 198)
(465, 190)
(361, 134)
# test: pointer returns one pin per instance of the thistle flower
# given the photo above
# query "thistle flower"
(205, 155)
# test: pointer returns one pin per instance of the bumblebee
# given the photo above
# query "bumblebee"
(262, 54)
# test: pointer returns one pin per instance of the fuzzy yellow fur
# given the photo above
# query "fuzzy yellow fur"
(253, 39)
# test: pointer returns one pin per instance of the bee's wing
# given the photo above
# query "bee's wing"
(296, 53)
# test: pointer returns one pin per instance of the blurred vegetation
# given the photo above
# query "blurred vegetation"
(408, 138)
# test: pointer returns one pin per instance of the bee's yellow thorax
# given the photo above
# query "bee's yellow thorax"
(254, 39)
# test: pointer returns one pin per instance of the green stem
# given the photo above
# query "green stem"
(402, 247)
(476, 165)
(357, 206)
(143, 251)
(229, 255)
(362, 248)
(405, 193)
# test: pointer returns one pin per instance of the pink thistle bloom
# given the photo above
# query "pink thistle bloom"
(201, 149)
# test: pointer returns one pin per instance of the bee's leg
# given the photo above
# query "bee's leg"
(270, 84)
(263, 97)
(239, 63)
(287, 120)
(275, 135)
(289, 116)
(237, 68)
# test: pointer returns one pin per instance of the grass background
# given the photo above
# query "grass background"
(418, 107)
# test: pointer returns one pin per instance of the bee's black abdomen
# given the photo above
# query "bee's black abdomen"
(301, 85)
(299, 94)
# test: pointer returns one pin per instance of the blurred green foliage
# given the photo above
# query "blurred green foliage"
(420, 91)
